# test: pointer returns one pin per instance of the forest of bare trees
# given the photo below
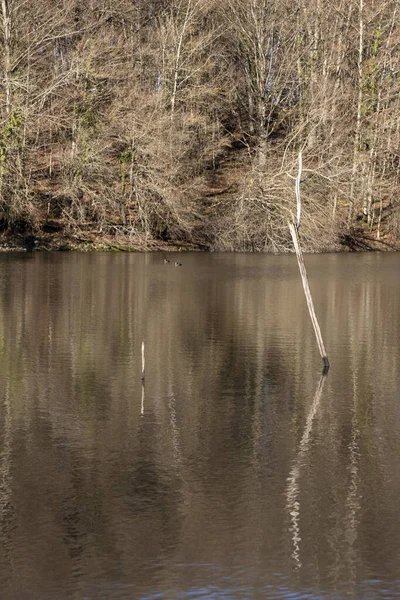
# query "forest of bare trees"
(145, 122)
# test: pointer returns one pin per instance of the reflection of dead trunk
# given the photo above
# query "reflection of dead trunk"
(175, 433)
(143, 362)
(292, 490)
(179, 462)
(5, 461)
(142, 403)
(353, 501)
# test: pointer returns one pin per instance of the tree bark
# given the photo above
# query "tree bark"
(7, 52)
(357, 135)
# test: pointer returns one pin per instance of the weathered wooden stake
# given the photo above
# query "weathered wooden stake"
(294, 229)
(142, 361)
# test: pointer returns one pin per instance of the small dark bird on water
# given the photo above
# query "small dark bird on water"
(166, 261)
(178, 264)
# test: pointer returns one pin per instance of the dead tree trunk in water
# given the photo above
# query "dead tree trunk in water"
(294, 229)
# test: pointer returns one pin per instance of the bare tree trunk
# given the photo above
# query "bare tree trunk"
(178, 58)
(307, 292)
(378, 230)
(7, 52)
(293, 227)
(357, 135)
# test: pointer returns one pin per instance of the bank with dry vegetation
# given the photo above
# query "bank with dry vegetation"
(177, 124)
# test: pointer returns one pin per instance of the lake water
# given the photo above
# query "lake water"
(238, 472)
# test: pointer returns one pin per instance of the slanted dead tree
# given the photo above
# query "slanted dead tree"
(294, 231)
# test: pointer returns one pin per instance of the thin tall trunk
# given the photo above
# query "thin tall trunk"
(178, 58)
(378, 229)
(7, 52)
(357, 135)
(294, 228)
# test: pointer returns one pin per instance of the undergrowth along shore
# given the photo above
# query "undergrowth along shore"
(356, 241)
(178, 123)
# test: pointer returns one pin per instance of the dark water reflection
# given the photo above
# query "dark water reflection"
(240, 473)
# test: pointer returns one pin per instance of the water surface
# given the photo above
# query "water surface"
(238, 472)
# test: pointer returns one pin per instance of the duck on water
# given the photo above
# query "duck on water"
(177, 264)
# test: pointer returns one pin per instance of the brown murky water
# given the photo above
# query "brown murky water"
(239, 473)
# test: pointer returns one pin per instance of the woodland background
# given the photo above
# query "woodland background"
(177, 123)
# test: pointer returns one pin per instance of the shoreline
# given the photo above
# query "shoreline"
(42, 242)
(63, 242)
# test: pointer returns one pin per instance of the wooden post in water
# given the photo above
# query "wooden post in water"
(294, 230)
(142, 361)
